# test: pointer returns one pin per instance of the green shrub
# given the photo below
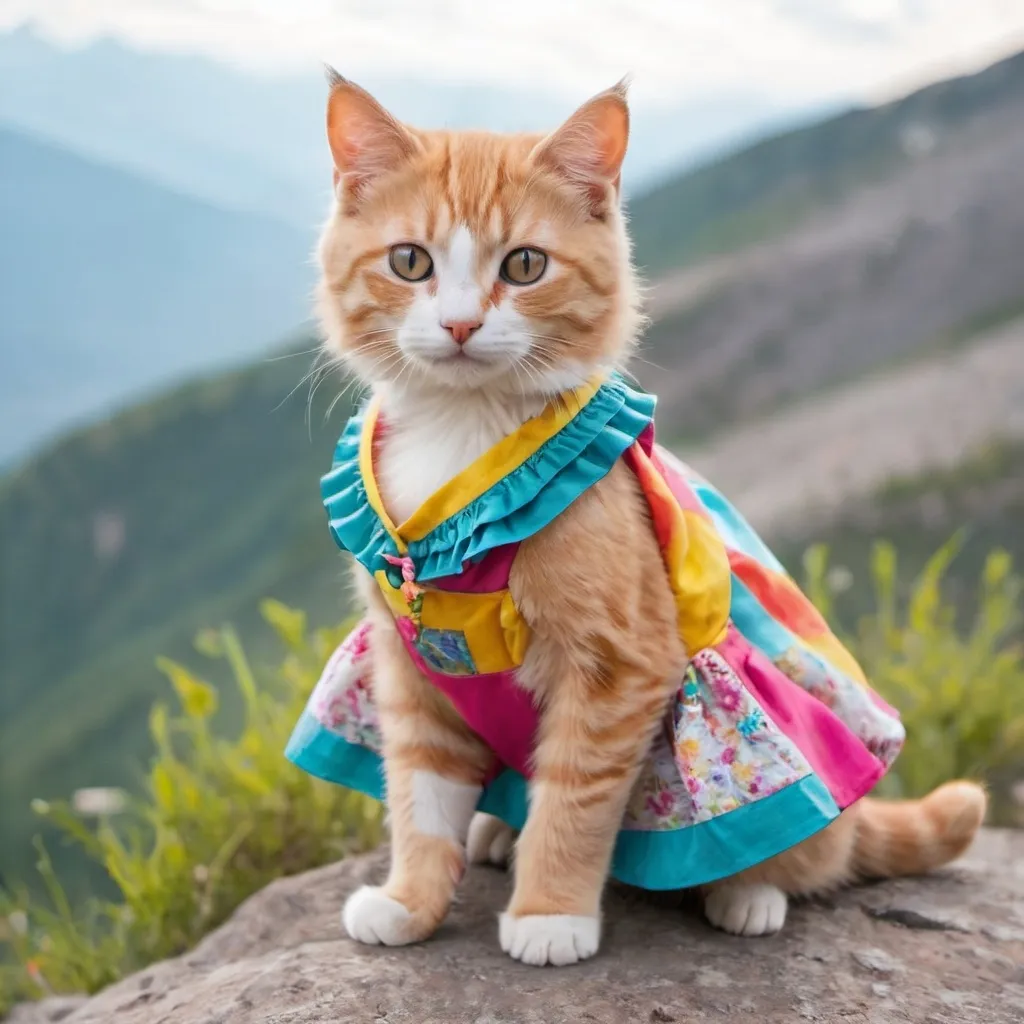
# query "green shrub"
(959, 687)
(219, 819)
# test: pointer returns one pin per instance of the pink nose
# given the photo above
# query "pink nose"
(461, 330)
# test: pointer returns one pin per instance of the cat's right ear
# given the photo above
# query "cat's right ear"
(365, 140)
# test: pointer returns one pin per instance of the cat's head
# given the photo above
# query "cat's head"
(468, 260)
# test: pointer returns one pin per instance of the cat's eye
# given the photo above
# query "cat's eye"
(523, 266)
(411, 262)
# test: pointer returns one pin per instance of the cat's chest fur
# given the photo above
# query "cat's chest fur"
(428, 440)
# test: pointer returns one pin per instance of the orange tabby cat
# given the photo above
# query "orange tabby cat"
(469, 277)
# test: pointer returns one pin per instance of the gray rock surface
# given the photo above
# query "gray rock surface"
(938, 950)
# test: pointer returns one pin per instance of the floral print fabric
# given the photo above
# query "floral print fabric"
(342, 701)
(720, 751)
(875, 726)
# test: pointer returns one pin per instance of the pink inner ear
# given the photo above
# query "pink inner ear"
(590, 147)
(365, 139)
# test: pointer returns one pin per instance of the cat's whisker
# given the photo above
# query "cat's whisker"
(647, 362)
(292, 355)
(370, 334)
(317, 368)
(309, 402)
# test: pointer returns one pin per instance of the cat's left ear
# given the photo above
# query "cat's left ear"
(589, 148)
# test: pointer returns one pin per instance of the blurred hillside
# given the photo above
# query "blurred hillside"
(112, 284)
(834, 308)
(125, 539)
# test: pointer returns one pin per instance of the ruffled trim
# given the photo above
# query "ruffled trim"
(518, 506)
(354, 525)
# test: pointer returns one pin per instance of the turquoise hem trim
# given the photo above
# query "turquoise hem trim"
(517, 507)
(658, 861)
(725, 845)
(320, 752)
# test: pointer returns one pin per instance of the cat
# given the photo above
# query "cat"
(470, 278)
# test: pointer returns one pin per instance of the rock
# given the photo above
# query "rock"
(282, 959)
(46, 1011)
(877, 960)
(920, 917)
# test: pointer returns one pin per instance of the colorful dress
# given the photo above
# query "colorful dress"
(773, 728)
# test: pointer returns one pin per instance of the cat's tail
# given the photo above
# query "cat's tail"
(911, 837)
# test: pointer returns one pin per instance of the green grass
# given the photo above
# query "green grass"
(956, 677)
(218, 818)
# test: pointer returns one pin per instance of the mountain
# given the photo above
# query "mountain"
(112, 284)
(835, 251)
(761, 190)
(256, 142)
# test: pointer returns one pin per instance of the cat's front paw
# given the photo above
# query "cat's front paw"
(490, 841)
(372, 917)
(557, 939)
(746, 909)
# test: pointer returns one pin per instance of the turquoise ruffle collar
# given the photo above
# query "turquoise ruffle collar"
(521, 504)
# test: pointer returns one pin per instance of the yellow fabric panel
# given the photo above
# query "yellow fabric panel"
(517, 632)
(495, 634)
(695, 557)
(369, 480)
(701, 580)
(482, 474)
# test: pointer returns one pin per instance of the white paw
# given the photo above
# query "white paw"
(557, 939)
(490, 840)
(746, 909)
(371, 917)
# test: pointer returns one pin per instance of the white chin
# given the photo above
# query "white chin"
(462, 371)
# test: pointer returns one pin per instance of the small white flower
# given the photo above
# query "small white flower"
(18, 920)
(99, 801)
(839, 579)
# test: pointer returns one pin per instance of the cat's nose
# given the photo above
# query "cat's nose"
(461, 330)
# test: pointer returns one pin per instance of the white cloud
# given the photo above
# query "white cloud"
(802, 50)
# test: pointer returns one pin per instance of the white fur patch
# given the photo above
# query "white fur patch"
(441, 807)
(557, 939)
(374, 919)
(490, 841)
(746, 909)
(433, 436)
(460, 295)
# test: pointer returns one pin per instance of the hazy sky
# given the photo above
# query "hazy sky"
(786, 49)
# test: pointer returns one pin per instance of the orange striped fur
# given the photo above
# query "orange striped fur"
(605, 652)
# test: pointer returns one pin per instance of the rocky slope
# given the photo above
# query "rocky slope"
(803, 465)
(923, 258)
(948, 948)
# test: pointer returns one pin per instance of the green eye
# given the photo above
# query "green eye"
(411, 262)
(523, 266)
